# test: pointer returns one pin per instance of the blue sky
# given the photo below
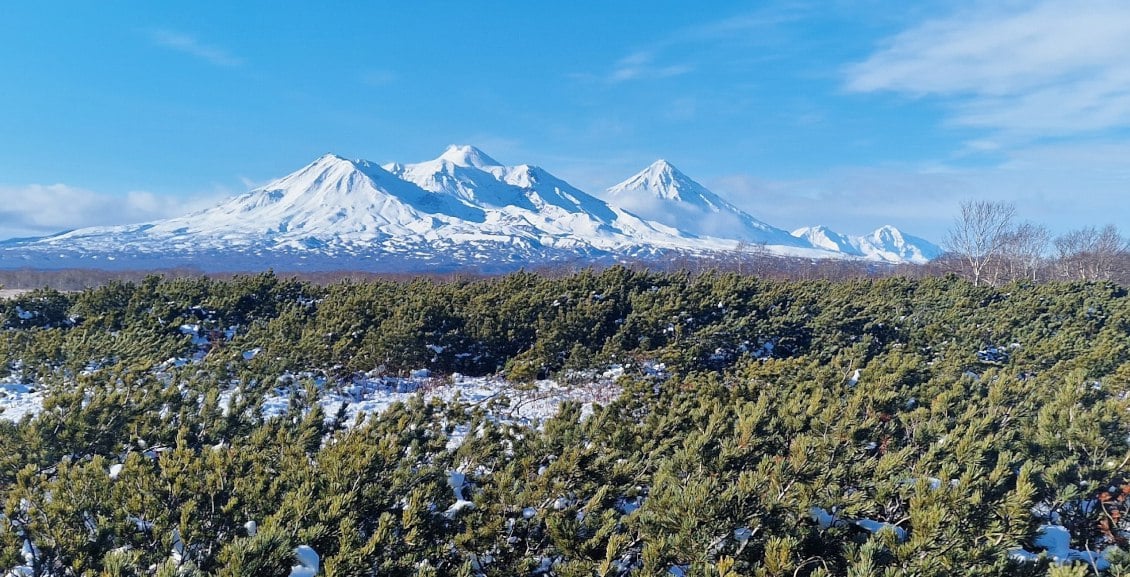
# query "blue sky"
(848, 114)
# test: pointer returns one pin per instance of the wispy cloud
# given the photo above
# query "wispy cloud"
(674, 54)
(1063, 185)
(1049, 68)
(40, 209)
(642, 65)
(189, 44)
(850, 200)
(749, 26)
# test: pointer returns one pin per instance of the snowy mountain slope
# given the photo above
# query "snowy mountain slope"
(461, 209)
(330, 198)
(527, 196)
(663, 194)
(892, 245)
(827, 239)
(887, 244)
(330, 201)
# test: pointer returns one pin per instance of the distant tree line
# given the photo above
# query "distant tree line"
(747, 260)
(990, 247)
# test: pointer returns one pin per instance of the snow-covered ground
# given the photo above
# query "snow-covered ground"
(18, 399)
(503, 401)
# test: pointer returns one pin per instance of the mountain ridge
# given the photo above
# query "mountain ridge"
(460, 209)
(664, 194)
(886, 243)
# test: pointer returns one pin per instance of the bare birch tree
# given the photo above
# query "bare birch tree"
(1024, 251)
(979, 234)
(1090, 253)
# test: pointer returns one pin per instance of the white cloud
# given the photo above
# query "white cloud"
(1065, 186)
(728, 42)
(850, 200)
(38, 209)
(189, 44)
(1048, 68)
(642, 66)
(1048, 83)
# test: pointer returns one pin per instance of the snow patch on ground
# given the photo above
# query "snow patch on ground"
(876, 526)
(308, 562)
(504, 400)
(827, 520)
(457, 481)
(1056, 542)
(18, 399)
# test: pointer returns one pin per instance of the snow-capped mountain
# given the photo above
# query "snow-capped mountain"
(887, 244)
(526, 197)
(892, 245)
(462, 209)
(827, 239)
(663, 194)
(329, 199)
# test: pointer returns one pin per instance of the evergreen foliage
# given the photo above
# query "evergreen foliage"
(867, 427)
